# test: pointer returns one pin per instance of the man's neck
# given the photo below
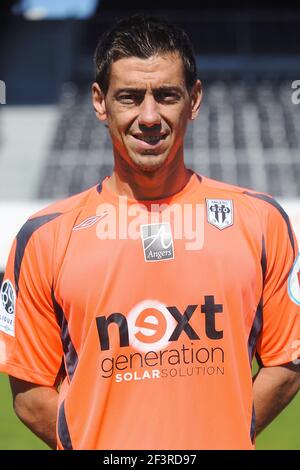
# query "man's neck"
(141, 185)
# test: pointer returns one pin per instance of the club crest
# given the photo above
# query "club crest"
(220, 212)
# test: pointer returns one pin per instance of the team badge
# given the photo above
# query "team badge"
(7, 308)
(294, 282)
(220, 212)
(157, 241)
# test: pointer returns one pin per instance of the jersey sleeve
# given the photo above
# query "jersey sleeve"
(30, 343)
(279, 339)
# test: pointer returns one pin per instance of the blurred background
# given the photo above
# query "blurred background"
(52, 146)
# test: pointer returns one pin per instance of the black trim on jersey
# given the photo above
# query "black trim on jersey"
(62, 428)
(199, 178)
(23, 238)
(61, 374)
(253, 423)
(99, 188)
(258, 360)
(258, 319)
(275, 204)
(70, 353)
(255, 330)
(254, 334)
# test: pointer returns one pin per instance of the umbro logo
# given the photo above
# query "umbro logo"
(86, 223)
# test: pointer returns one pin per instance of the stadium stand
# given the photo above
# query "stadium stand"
(246, 134)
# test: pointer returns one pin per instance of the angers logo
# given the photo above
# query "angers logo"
(220, 212)
(157, 242)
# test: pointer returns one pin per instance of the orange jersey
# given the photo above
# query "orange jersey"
(157, 330)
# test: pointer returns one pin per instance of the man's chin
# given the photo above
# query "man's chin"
(149, 163)
(146, 168)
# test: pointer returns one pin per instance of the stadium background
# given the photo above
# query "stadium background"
(51, 145)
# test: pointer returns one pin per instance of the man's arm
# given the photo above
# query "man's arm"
(274, 388)
(36, 406)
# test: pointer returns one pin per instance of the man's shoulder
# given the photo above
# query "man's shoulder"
(228, 191)
(231, 188)
(262, 205)
(62, 213)
(67, 204)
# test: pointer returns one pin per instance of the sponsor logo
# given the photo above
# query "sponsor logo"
(164, 324)
(86, 223)
(157, 242)
(150, 323)
(294, 282)
(7, 308)
(153, 329)
(220, 212)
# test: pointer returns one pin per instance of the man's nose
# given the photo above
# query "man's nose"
(149, 112)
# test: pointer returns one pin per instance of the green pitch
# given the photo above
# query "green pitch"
(13, 433)
(283, 433)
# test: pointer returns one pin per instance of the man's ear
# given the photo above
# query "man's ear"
(196, 97)
(99, 102)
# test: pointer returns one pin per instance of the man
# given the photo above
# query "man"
(149, 294)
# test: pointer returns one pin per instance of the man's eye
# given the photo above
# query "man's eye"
(128, 99)
(167, 97)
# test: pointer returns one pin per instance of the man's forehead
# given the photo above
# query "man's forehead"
(161, 70)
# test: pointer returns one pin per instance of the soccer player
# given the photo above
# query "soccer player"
(130, 313)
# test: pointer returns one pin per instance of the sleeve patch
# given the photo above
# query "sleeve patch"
(294, 282)
(7, 308)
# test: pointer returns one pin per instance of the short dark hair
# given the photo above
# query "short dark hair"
(143, 36)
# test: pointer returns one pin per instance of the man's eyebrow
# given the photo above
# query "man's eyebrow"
(168, 89)
(162, 89)
(129, 90)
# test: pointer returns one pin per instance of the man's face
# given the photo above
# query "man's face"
(147, 107)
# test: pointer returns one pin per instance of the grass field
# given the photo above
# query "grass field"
(283, 433)
(13, 434)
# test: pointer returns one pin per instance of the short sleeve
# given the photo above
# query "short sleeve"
(279, 340)
(30, 343)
